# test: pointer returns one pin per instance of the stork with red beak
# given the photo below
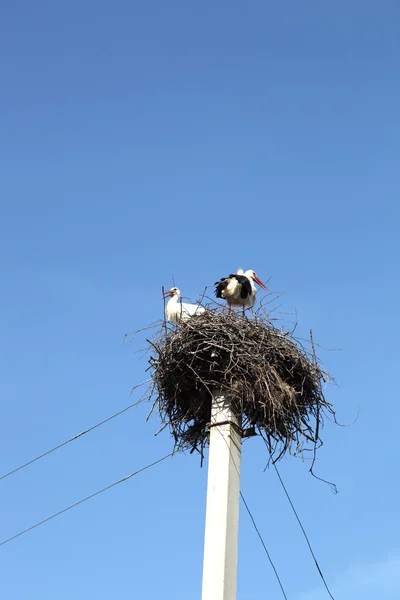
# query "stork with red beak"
(180, 311)
(238, 289)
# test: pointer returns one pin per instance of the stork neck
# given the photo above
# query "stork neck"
(174, 299)
(253, 287)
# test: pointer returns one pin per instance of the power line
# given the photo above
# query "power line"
(264, 546)
(253, 520)
(74, 437)
(304, 532)
(108, 487)
(299, 522)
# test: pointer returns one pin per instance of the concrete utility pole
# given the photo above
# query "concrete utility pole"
(222, 513)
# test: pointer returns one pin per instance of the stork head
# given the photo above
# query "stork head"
(254, 277)
(172, 293)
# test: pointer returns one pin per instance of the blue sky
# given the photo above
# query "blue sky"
(145, 140)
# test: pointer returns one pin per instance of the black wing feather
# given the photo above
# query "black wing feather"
(246, 286)
(220, 288)
(221, 285)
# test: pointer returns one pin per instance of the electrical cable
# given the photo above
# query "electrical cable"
(74, 437)
(252, 518)
(108, 487)
(304, 532)
(264, 545)
(299, 522)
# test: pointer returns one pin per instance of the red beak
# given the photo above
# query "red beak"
(168, 294)
(260, 283)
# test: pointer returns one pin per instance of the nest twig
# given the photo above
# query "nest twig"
(270, 379)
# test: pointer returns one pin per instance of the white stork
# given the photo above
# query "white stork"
(180, 311)
(238, 289)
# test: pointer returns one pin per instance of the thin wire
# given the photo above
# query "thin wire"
(252, 518)
(108, 487)
(303, 530)
(299, 522)
(72, 439)
(264, 546)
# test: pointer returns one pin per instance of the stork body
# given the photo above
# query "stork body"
(238, 289)
(180, 311)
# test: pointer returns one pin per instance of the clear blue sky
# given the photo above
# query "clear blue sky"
(145, 139)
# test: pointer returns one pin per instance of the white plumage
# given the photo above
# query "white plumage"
(180, 311)
(238, 289)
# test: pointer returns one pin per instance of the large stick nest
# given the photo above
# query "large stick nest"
(271, 380)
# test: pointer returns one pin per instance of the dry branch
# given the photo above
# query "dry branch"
(269, 377)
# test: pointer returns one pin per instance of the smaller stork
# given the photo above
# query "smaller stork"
(180, 311)
(238, 289)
